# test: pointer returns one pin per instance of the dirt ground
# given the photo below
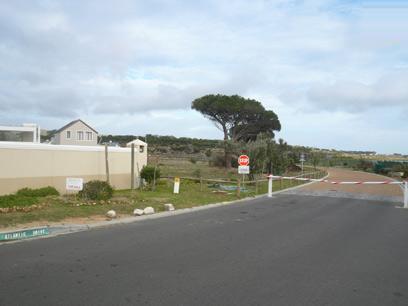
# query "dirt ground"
(337, 174)
(67, 221)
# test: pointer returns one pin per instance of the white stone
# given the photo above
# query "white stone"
(148, 210)
(138, 212)
(169, 207)
(111, 214)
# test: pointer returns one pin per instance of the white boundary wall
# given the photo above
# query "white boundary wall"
(38, 165)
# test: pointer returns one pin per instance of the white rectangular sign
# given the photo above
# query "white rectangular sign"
(243, 169)
(74, 183)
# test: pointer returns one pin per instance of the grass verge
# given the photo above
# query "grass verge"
(58, 208)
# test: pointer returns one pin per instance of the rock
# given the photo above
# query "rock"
(169, 207)
(138, 212)
(111, 214)
(148, 210)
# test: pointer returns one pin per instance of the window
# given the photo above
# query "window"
(141, 149)
(80, 135)
(68, 134)
(88, 135)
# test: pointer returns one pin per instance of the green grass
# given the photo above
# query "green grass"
(57, 208)
(185, 168)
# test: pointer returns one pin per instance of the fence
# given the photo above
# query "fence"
(38, 165)
(257, 186)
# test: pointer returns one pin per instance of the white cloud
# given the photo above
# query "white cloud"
(388, 92)
(64, 59)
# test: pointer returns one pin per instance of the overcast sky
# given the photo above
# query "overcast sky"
(335, 72)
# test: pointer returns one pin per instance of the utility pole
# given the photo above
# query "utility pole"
(132, 167)
(107, 163)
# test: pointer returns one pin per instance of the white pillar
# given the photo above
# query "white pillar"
(38, 134)
(270, 186)
(406, 194)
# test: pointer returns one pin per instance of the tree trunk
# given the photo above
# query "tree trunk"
(227, 153)
(227, 158)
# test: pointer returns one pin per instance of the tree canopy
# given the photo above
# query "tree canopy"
(239, 118)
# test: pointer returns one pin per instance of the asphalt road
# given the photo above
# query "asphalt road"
(292, 250)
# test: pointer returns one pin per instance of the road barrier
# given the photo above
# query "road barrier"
(403, 185)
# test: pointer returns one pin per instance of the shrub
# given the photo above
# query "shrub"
(39, 192)
(16, 200)
(96, 190)
(197, 173)
(193, 160)
(147, 173)
(217, 160)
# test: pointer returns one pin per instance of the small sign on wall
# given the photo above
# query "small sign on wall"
(176, 185)
(74, 183)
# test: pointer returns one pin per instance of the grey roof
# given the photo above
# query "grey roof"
(73, 122)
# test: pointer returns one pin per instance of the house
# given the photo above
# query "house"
(77, 133)
(28, 132)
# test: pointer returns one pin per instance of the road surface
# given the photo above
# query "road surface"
(291, 250)
(339, 174)
(387, 193)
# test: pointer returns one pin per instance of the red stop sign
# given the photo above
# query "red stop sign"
(243, 160)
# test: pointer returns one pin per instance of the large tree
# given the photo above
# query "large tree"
(240, 119)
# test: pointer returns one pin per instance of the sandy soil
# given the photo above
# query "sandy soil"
(67, 221)
(336, 174)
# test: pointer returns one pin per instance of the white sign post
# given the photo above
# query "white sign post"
(74, 183)
(270, 186)
(176, 185)
(243, 168)
(302, 160)
(406, 194)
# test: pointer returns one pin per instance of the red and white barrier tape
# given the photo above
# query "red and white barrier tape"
(335, 182)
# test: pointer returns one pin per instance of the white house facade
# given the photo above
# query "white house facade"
(77, 133)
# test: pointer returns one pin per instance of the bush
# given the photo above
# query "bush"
(16, 200)
(217, 160)
(147, 173)
(39, 192)
(193, 160)
(197, 173)
(96, 190)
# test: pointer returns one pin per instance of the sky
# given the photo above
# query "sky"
(335, 72)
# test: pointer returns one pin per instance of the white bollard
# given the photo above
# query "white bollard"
(270, 186)
(406, 194)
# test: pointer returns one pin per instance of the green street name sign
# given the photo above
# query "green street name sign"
(24, 234)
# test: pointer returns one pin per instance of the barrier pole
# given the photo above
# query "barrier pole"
(406, 194)
(270, 186)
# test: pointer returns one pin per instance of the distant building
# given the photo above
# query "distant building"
(111, 143)
(28, 132)
(77, 133)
